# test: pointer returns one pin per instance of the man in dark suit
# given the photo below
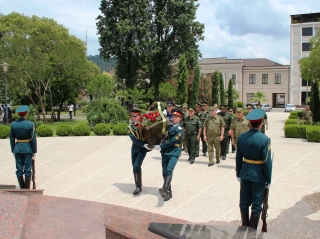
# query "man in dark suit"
(253, 168)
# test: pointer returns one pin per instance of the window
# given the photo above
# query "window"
(277, 78)
(234, 78)
(252, 78)
(304, 82)
(307, 31)
(264, 78)
(249, 97)
(306, 46)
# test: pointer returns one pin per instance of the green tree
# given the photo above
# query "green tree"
(215, 79)
(182, 90)
(167, 91)
(101, 86)
(147, 37)
(230, 94)
(195, 87)
(260, 97)
(222, 92)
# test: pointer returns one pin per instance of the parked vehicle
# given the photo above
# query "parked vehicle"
(289, 107)
(266, 107)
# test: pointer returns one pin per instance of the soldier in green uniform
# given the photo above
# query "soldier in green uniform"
(202, 116)
(253, 168)
(226, 137)
(23, 143)
(213, 134)
(239, 125)
(185, 114)
(307, 115)
(139, 150)
(233, 147)
(192, 127)
(265, 121)
(170, 152)
(249, 107)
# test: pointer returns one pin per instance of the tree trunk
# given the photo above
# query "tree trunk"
(316, 102)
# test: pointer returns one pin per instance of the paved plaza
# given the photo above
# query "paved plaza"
(99, 169)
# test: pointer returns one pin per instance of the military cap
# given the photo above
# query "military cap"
(224, 107)
(135, 112)
(177, 111)
(213, 108)
(192, 109)
(170, 103)
(178, 106)
(250, 105)
(22, 109)
(184, 105)
(204, 103)
(199, 104)
(256, 115)
(258, 106)
(239, 110)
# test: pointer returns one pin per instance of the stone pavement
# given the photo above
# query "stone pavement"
(99, 169)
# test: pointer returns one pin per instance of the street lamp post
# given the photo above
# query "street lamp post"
(5, 69)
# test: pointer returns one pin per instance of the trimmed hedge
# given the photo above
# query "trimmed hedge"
(15, 116)
(120, 129)
(293, 112)
(293, 116)
(102, 129)
(81, 130)
(300, 113)
(313, 133)
(295, 131)
(4, 131)
(291, 121)
(44, 131)
(64, 130)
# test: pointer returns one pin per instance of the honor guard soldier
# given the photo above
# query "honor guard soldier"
(170, 107)
(185, 114)
(226, 137)
(202, 116)
(265, 121)
(233, 147)
(239, 125)
(170, 152)
(192, 127)
(213, 134)
(253, 168)
(23, 143)
(139, 150)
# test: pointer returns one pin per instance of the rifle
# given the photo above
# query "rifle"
(34, 173)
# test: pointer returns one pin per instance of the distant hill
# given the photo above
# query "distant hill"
(103, 65)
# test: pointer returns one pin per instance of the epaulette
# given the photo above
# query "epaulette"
(180, 128)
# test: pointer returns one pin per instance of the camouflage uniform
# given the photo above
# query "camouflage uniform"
(202, 116)
(213, 130)
(226, 138)
(239, 126)
(186, 114)
(265, 118)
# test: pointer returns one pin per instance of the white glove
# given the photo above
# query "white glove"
(146, 146)
(269, 185)
(14, 155)
(239, 179)
(157, 147)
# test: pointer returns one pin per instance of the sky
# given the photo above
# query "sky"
(233, 28)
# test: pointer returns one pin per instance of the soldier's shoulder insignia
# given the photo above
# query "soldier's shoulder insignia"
(178, 136)
(179, 127)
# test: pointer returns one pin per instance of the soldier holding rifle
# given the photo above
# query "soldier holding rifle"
(253, 168)
(23, 146)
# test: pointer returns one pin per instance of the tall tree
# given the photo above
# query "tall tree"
(195, 87)
(148, 37)
(182, 90)
(101, 86)
(222, 92)
(215, 79)
(230, 94)
(260, 97)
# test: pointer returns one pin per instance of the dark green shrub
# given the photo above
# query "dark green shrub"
(4, 131)
(293, 116)
(64, 130)
(300, 113)
(313, 133)
(240, 104)
(120, 129)
(102, 129)
(317, 124)
(291, 121)
(85, 108)
(44, 131)
(81, 130)
(295, 131)
(293, 112)
(15, 116)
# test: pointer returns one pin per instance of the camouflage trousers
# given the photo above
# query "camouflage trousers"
(214, 141)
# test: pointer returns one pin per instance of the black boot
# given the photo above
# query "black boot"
(138, 181)
(254, 220)
(164, 190)
(21, 182)
(27, 182)
(245, 218)
(169, 194)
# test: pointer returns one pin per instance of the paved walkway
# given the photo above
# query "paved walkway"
(99, 169)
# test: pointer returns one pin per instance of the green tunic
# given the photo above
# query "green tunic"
(191, 127)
